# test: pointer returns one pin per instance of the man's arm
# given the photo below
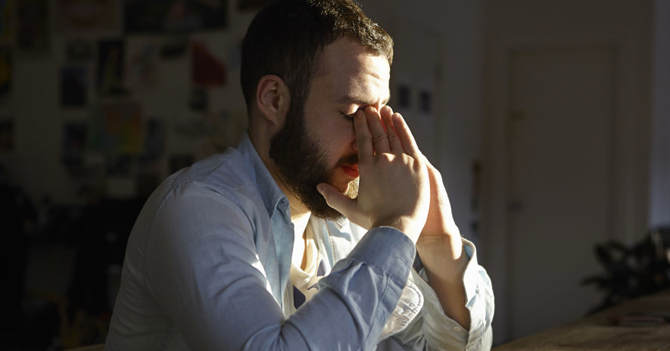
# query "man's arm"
(203, 269)
(440, 247)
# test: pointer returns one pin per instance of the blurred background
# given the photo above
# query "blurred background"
(549, 120)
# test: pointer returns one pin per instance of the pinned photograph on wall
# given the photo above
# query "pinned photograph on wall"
(252, 5)
(111, 67)
(206, 69)
(86, 15)
(74, 144)
(6, 136)
(79, 50)
(73, 86)
(6, 21)
(6, 73)
(116, 129)
(142, 63)
(174, 16)
(33, 35)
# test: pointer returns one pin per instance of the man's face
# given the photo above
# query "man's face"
(317, 143)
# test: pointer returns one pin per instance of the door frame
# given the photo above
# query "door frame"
(630, 154)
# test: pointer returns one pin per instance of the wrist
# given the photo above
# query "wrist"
(403, 224)
(443, 257)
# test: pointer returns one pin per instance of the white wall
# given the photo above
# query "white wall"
(516, 23)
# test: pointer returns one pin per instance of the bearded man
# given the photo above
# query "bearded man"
(324, 229)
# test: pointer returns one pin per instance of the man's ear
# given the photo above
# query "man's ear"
(273, 99)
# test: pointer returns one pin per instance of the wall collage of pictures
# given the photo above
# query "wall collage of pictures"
(106, 78)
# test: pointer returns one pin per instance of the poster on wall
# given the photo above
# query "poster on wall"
(86, 15)
(207, 70)
(33, 35)
(111, 67)
(73, 86)
(174, 16)
(142, 61)
(116, 129)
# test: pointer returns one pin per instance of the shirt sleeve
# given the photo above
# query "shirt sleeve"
(433, 330)
(205, 273)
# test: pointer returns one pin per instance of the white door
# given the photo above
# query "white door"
(560, 180)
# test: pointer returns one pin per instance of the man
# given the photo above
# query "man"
(248, 250)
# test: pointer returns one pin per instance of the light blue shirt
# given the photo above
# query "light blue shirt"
(207, 268)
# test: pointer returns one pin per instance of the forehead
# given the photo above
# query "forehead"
(350, 70)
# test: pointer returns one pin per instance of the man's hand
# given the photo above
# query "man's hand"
(440, 228)
(394, 186)
(439, 246)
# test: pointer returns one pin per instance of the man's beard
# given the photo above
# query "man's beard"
(302, 165)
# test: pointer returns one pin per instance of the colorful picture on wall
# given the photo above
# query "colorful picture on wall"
(142, 63)
(86, 15)
(111, 67)
(73, 86)
(116, 129)
(74, 143)
(174, 16)
(206, 69)
(33, 26)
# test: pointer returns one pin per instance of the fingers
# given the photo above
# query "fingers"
(383, 132)
(393, 139)
(340, 202)
(379, 139)
(405, 135)
(363, 140)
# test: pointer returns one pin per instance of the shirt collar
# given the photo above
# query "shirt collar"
(270, 193)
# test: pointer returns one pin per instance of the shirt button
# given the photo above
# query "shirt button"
(457, 329)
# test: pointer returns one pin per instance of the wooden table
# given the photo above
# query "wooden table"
(599, 332)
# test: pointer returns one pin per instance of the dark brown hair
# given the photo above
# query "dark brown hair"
(287, 37)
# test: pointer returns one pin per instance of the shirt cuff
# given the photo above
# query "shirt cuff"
(388, 249)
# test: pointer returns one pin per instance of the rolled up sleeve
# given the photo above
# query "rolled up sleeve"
(434, 330)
